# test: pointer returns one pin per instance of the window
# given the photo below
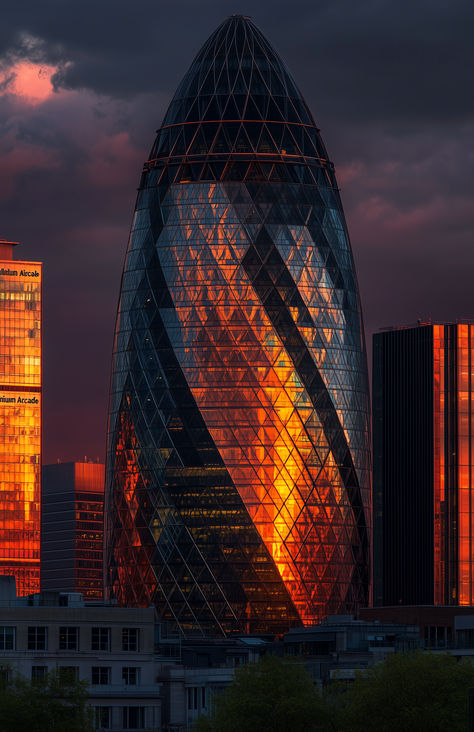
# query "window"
(100, 639)
(130, 675)
(7, 638)
(130, 639)
(193, 697)
(39, 673)
(68, 639)
(100, 675)
(102, 717)
(37, 638)
(196, 697)
(133, 717)
(68, 674)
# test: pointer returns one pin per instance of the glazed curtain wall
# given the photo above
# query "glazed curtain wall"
(20, 422)
(453, 349)
(244, 334)
(238, 490)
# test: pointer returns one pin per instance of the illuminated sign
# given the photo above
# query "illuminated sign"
(33, 272)
(18, 398)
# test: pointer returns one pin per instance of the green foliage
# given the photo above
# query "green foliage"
(47, 706)
(412, 692)
(273, 695)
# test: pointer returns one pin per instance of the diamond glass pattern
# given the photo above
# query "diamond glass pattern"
(238, 494)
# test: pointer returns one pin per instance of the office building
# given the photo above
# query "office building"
(109, 647)
(238, 482)
(72, 525)
(423, 399)
(20, 419)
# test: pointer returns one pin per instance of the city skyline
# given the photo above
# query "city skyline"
(386, 93)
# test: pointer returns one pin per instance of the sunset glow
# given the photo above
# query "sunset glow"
(28, 80)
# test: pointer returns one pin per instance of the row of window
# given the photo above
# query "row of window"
(196, 697)
(100, 675)
(68, 638)
(132, 717)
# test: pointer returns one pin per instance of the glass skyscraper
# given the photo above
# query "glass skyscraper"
(238, 488)
(423, 465)
(72, 528)
(20, 419)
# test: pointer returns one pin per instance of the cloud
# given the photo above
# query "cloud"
(371, 59)
(28, 80)
(83, 87)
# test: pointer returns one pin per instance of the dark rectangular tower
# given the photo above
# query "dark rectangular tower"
(72, 524)
(423, 400)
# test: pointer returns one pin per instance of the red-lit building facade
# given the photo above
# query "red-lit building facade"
(72, 528)
(423, 401)
(20, 419)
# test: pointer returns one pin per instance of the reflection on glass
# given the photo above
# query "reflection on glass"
(453, 352)
(238, 484)
(20, 422)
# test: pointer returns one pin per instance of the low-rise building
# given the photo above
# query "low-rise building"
(337, 648)
(141, 678)
(341, 645)
(110, 647)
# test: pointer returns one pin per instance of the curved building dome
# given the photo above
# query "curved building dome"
(238, 489)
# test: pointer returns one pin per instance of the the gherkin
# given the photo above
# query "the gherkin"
(238, 488)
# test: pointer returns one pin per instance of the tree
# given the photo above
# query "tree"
(273, 695)
(50, 705)
(413, 692)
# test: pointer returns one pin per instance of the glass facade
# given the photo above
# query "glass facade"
(20, 419)
(72, 526)
(453, 404)
(423, 465)
(238, 488)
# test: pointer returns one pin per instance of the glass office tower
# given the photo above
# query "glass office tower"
(20, 419)
(238, 495)
(423, 404)
(72, 528)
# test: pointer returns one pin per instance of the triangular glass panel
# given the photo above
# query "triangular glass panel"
(208, 132)
(266, 143)
(251, 110)
(220, 144)
(240, 87)
(273, 113)
(288, 145)
(231, 112)
(255, 172)
(218, 169)
(213, 112)
(242, 142)
(240, 102)
(208, 86)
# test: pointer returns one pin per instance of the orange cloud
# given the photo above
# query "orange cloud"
(28, 80)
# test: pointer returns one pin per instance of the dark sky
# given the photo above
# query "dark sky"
(389, 83)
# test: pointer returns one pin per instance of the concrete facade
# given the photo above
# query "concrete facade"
(112, 648)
